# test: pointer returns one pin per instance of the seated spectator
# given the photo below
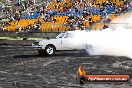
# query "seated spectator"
(18, 28)
(36, 27)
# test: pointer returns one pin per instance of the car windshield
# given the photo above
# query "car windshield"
(69, 35)
(61, 35)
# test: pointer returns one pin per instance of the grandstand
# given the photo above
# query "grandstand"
(59, 15)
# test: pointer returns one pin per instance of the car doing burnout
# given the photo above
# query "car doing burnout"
(64, 41)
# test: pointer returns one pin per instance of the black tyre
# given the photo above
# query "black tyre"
(82, 80)
(50, 50)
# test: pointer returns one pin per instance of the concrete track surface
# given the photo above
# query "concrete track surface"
(22, 67)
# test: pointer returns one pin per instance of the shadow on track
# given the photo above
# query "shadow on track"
(71, 54)
(58, 54)
(27, 56)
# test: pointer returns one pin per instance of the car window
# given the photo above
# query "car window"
(61, 35)
(69, 35)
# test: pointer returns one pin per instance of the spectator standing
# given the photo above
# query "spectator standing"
(90, 20)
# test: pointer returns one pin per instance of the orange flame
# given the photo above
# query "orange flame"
(81, 71)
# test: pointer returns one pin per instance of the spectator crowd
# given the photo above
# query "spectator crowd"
(65, 14)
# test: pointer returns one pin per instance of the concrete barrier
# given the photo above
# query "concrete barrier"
(17, 42)
(25, 35)
(37, 35)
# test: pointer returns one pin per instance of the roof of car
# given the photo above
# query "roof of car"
(76, 31)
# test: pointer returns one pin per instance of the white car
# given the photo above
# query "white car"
(64, 41)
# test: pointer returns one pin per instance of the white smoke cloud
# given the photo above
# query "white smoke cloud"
(122, 21)
(117, 42)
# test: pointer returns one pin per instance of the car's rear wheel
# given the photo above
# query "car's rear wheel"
(50, 50)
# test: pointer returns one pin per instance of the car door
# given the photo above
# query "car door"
(68, 42)
(58, 41)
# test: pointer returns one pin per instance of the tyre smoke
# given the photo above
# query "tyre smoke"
(115, 41)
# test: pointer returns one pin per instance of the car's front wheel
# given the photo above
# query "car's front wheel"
(50, 50)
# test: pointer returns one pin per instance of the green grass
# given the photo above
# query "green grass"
(18, 38)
